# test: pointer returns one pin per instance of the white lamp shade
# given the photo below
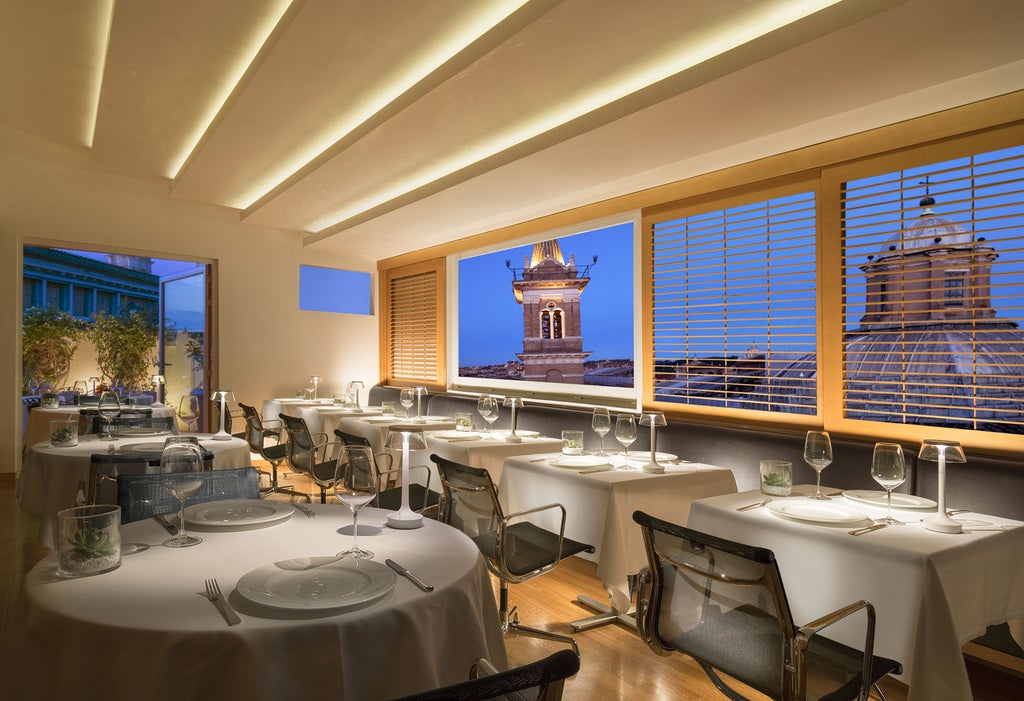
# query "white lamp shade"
(397, 436)
(934, 449)
(653, 418)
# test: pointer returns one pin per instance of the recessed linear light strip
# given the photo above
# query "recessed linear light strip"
(684, 57)
(428, 60)
(105, 20)
(237, 76)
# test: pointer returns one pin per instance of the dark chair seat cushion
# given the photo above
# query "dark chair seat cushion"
(528, 547)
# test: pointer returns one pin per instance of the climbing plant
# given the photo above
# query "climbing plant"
(49, 341)
(125, 346)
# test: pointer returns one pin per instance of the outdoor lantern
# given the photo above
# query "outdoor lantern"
(405, 438)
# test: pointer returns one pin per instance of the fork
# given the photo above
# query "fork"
(304, 509)
(748, 507)
(214, 594)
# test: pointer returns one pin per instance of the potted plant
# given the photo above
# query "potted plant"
(49, 341)
(124, 346)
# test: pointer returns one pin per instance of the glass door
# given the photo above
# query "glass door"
(184, 345)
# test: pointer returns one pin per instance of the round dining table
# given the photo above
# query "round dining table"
(145, 631)
(51, 476)
(37, 425)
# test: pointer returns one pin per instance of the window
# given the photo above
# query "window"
(734, 308)
(82, 306)
(954, 288)
(332, 290)
(413, 319)
(57, 296)
(945, 346)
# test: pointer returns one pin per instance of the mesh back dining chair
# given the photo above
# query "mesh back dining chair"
(104, 469)
(313, 457)
(142, 496)
(542, 680)
(126, 421)
(257, 435)
(723, 604)
(422, 499)
(514, 548)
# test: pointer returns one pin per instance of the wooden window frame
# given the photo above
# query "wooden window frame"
(387, 277)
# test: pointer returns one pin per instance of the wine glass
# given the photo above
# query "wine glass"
(602, 424)
(108, 408)
(625, 432)
(181, 466)
(488, 408)
(407, 398)
(188, 411)
(355, 486)
(33, 386)
(889, 469)
(818, 454)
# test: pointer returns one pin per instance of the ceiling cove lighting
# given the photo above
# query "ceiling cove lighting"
(763, 20)
(104, 20)
(421, 64)
(246, 55)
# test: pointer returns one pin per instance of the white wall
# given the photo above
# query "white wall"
(267, 347)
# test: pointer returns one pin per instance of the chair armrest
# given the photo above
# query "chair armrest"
(506, 521)
(805, 632)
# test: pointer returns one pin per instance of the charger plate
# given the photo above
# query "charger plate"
(317, 583)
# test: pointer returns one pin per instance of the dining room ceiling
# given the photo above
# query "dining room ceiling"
(382, 126)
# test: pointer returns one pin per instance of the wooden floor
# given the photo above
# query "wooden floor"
(615, 664)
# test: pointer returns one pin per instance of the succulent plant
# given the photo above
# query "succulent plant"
(61, 435)
(93, 542)
(775, 479)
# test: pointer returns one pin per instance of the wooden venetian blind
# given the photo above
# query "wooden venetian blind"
(734, 306)
(413, 326)
(934, 294)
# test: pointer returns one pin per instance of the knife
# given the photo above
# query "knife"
(409, 575)
(868, 529)
(168, 526)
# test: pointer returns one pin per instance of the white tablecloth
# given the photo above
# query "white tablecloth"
(487, 453)
(932, 591)
(38, 426)
(299, 408)
(141, 632)
(600, 507)
(50, 476)
(375, 429)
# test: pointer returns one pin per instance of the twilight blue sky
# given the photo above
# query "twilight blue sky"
(491, 321)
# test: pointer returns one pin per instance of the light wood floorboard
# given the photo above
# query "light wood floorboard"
(615, 664)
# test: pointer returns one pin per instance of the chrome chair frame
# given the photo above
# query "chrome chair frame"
(502, 525)
(256, 435)
(388, 479)
(301, 442)
(795, 640)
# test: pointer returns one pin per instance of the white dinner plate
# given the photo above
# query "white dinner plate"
(456, 434)
(229, 514)
(317, 583)
(644, 456)
(578, 461)
(141, 447)
(899, 501)
(131, 431)
(826, 513)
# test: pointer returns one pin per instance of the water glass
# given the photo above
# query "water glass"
(88, 540)
(572, 442)
(464, 421)
(387, 408)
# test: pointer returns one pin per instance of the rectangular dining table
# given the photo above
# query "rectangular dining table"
(932, 591)
(309, 630)
(600, 505)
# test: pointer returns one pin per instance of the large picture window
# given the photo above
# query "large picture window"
(734, 312)
(934, 272)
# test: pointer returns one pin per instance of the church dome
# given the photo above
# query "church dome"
(929, 231)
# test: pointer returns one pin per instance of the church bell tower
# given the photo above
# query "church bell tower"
(550, 291)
